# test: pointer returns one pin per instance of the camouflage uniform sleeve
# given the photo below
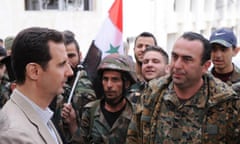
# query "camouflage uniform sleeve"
(223, 122)
(136, 96)
(133, 133)
(133, 129)
(4, 91)
(233, 124)
(233, 121)
(82, 134)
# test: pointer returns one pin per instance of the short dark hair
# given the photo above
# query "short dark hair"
(69, 38)
(146, 34)
(206, 55)
(1, 40)
(160, 50)
(31, 45)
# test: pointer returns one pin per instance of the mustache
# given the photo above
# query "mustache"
(109, 91)
(177, 71)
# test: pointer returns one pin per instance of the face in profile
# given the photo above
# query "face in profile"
(73, 55)
(140, 45)
(58, 70)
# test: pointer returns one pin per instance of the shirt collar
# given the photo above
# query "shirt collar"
(45, 114)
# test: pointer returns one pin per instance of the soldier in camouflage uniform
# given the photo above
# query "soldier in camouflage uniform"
(83, 92)
(4, 90)
(7, 83)
(4, 81)
(190, 105)
(154, 65)
(224, 47)
(106, 120)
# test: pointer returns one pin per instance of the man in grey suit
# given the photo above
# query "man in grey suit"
(9, 136)
(41, 68)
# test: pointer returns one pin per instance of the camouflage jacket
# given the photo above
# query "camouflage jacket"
(82, 95)
(94, 128)
(235, 77)
(234, 80)
(236, 87)
(4, 91)
(211, 116)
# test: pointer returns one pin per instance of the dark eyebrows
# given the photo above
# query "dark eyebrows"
(71, 55)
(184, 56)
(173, 54)
(62, 63)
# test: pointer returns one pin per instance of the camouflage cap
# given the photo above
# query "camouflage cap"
(8, 42)
(118, 62)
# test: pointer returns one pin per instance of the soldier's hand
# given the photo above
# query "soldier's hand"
(69, 116)
(68, 113)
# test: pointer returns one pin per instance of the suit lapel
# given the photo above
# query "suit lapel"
(34, 118)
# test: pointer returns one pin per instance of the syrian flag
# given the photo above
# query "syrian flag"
(108, 40)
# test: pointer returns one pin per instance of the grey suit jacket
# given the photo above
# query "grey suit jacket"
(14, 137)
(22, 117)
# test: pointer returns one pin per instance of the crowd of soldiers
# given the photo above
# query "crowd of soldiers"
(157, 99)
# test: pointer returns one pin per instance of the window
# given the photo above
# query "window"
(68, 5)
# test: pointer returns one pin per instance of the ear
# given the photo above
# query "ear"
(13, 85)
(236, 50)
(80, 56)
(167, 69)
(206, 66)
(127, 84)
(32, 71)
